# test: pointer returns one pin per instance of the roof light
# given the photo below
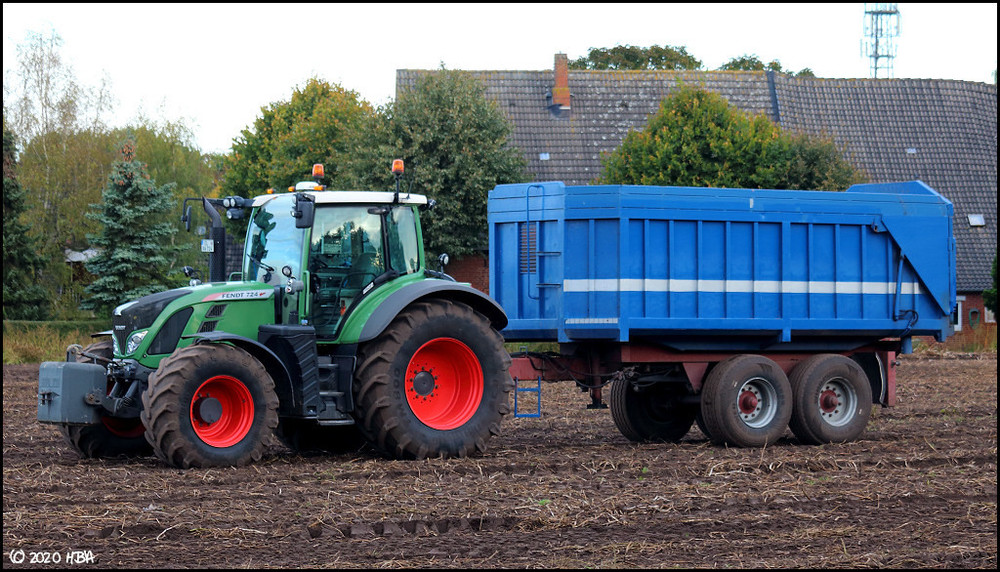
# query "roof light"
(317, 170)
(397, 166)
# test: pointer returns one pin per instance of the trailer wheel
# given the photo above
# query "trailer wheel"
(435, 383)
(112, 437)
(833, 400)
(654, 413)
(746, 401)
(209, 405)
(307, 436)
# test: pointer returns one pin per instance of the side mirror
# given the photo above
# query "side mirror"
(186, 218)
(304, 211)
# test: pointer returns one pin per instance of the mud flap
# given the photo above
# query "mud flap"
(66, 391)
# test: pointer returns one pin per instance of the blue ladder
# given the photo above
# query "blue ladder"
(537, 390)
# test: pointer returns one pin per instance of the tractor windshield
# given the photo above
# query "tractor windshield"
(273, 242)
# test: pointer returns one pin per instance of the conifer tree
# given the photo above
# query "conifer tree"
(24, 298)
(134, 246)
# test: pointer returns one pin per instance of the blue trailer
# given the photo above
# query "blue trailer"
(744, 310)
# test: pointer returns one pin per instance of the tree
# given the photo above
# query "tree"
(63, 154)
(169, 152)
(134, 249)
(990, 294)
(636, 58)
(289, 137)
(23, 296)
(697, 139)
(753, 63)
(453, 141)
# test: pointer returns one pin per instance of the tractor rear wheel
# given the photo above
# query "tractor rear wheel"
(435, 383)
(112, 437)
(209, 405)
(653, 413)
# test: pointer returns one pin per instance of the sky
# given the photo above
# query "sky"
(214, 66)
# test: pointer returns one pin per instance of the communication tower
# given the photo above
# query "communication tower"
(881, 30)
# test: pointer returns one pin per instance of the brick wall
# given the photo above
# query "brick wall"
(474, 269)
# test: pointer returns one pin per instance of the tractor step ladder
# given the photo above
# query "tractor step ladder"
(536, 389)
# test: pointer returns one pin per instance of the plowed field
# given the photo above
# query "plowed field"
(565, 490)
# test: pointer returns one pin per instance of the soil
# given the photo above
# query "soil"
(565, 490)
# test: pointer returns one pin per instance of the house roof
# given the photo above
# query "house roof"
(943, 132)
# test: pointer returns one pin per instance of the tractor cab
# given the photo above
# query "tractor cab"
(332, 248)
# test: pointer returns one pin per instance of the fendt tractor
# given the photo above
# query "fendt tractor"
(334, 332)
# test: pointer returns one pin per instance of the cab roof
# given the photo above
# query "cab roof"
(350, 197)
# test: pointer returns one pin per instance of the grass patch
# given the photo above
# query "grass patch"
(34, 342)
(981, 339)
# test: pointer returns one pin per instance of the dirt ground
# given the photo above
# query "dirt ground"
(565, 490)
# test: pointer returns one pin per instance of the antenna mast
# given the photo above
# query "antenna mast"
(881, 30)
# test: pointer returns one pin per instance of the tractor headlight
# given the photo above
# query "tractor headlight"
(134, 340)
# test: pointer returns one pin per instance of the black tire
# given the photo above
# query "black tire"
(746, 401)
(435, 383)
(833, 400)
(307, 436)
(112, 437)
(209, 405)
(653, 413)
(699, 419)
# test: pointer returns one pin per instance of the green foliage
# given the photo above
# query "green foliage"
(134, 242)
(23, 296)
(637, 58)
(65, 154)
(169, 152)
(697, 139)
(989, 295)
(454, 144)
(753, 63)
(289, 137)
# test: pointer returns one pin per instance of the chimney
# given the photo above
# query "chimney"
(560, 90)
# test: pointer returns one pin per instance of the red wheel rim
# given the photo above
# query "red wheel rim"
(444, 384)
(222, 411)
(124, 428)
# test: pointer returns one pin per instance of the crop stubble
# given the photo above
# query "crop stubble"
(564, 490)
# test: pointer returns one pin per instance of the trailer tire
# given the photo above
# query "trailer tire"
(833, 400)
(112, 437)
(746, 401)
(306, 436)
(654, 413)
(209, 405)
(435, 383)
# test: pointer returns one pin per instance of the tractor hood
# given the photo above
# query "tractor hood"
(154, 325)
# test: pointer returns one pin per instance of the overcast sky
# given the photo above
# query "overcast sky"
(215, 66)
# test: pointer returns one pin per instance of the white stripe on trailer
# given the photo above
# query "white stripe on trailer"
(735, 286)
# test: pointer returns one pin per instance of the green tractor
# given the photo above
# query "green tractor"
(335, 333)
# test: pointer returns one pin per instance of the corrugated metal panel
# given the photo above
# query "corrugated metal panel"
(669, 263)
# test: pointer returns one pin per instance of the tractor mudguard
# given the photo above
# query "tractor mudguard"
(270, 360)
(394, 304)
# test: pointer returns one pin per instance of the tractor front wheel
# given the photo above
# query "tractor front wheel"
(209, 405)
(434, 384)
(113, 436)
